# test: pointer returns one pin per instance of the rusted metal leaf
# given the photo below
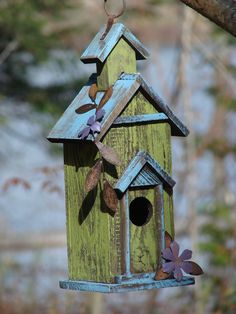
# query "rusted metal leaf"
(109, 154)
(93, 176)
(161, 275)
(105, 97)
(14, 182)
(110, 22)
(85, 108)
(196, 269)
(168, 239)
(109, 196)
(93, 91)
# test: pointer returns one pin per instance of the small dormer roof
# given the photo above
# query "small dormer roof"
(99, 50)
(71, 124)
(143, 170)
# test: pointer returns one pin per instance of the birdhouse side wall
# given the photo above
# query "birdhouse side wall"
(92, 254)
(156, 140)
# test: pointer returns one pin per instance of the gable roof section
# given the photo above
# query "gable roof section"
(143, 170)
(99, 50)
(71, 124)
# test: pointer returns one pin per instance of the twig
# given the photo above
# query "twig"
(8, 50)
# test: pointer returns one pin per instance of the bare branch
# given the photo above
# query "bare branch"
(221, 12)
(8, 50)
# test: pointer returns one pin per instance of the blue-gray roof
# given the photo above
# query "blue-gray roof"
(99, 50)
(71, 124)
(143, 170)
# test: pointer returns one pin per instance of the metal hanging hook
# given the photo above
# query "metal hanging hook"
(111, 18)
(114, 15)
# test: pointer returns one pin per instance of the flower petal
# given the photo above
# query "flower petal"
(96, 127)
(91, 120)
(187, 267)
(168, 267)
(100, 114)
(84, 133)
(187, 254)
(178, 273)
(168, 255)
(175, 249)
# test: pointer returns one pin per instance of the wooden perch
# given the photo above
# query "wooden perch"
(221, 12)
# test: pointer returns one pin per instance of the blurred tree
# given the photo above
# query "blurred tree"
(219, 232)
(28, 35)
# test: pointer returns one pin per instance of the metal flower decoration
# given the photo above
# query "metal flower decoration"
(93, 125)
(175, 263)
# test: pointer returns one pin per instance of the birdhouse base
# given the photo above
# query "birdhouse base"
(124, 286)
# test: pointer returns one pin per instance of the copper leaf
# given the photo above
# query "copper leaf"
(168, 239)
(93, 176)
(93, 91)
(161, 275)
(110, 22)
(107, 95)
(109, 154)
(196, 269)
(109, 196)
(85, 108)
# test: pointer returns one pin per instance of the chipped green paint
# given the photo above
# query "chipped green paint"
(121, 59)
(90, 229)
(93, 235)
(155, 139)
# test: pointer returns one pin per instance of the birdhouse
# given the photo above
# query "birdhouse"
(116, 136)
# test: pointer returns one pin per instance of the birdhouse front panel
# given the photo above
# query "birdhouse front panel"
(154, 138)
(121, 59)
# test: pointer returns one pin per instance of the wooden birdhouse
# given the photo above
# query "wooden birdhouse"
(119, 209)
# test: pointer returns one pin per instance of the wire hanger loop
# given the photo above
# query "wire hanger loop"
(115, 15)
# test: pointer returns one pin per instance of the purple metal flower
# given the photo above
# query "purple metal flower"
(93, 125)
(175, 263)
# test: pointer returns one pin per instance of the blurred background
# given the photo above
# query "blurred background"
(193, 67)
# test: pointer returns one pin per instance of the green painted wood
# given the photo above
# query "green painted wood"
(92, 245)
(155, 139)
(121, 59)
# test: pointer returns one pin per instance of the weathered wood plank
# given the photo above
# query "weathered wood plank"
(71, 124)
(98, 50)
(124, 287)
(146, 178)
(121, 59)
(125, 232)
(136, 166)
(154, 138)
(90, 228)
(140, 119)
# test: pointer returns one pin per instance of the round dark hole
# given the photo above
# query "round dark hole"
(140, 211)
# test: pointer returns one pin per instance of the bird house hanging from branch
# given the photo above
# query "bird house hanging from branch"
(116, 136)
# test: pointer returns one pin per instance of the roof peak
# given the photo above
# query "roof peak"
(71, 123)
(136, 166)
(98, 50)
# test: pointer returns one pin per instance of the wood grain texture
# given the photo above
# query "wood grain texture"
(90, 227)
(121, 59)
(221, 12)
(155, 139)
(98, 50)
(71, 124)
(144, 170)
(140, 119)
(126, 286)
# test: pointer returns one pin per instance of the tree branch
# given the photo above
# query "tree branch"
(221, 12)
(8, 50)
